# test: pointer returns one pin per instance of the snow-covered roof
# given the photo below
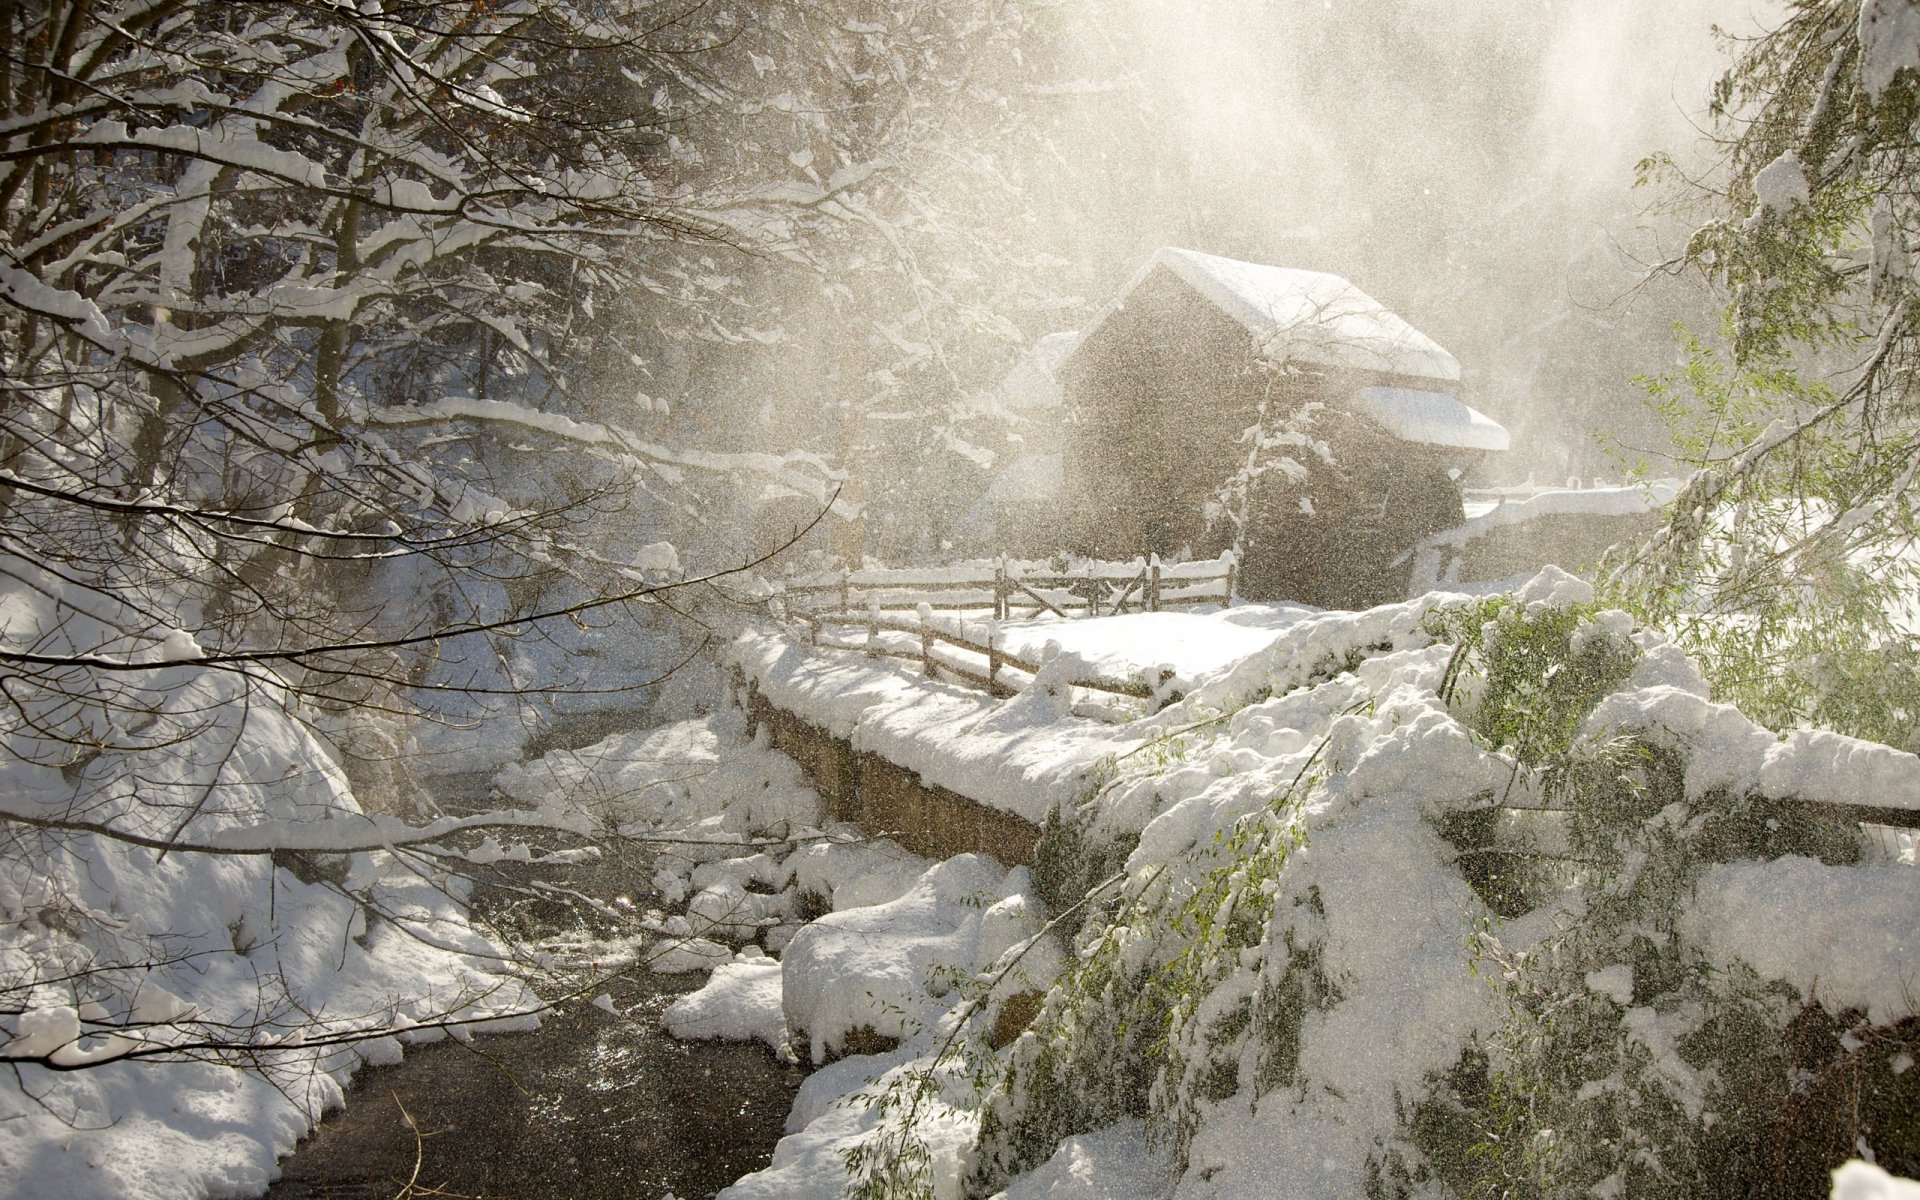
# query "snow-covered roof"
(1033, 382)
(1302, 316)
(1430, 418)
(1634, 500)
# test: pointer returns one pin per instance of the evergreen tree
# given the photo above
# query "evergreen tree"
(1788, 562)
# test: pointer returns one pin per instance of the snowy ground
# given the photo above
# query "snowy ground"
(903, 980)
(1194, 644)
(890, 990)
(112, 952)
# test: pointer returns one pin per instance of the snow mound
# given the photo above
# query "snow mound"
(884, 968)
(1106, 1165)
(1889, 33)
(740, 1002)
(1863, 1181)
(136, 951)
(1853, 928)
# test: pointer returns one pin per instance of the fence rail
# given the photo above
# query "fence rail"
(972, 652)
(916, 615)
(919, 616)
(1010, 588)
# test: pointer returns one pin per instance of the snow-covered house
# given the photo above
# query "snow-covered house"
(1161, 385)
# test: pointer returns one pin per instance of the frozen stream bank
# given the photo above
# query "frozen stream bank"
(592, 1104)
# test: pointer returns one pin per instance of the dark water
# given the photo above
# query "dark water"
(590, 1106)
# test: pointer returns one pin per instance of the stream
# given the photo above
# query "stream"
(591, 1105)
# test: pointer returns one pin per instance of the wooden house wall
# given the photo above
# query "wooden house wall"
(1378, 498)
(1156, 400)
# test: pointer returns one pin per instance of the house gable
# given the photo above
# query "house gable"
(1296, 316)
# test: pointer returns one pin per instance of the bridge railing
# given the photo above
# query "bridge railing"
(1008, 588)
(946, 619)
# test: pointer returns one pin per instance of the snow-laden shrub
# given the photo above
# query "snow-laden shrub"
(1072, 856)
(1280, 1000)
(1468, 897)
(1657, 1036)
(1524, 675)
(1260, 943)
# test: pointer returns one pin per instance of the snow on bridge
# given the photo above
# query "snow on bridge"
(1350, 719)
(955, 730)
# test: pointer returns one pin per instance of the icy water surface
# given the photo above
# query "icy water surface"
(593, 1105)
(590, 1106)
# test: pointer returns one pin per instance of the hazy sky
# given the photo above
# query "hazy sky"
(1469, 162)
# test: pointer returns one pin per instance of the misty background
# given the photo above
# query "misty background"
(1469, 164)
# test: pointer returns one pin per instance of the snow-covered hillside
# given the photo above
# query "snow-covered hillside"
(178, 1020)
(1288, 936)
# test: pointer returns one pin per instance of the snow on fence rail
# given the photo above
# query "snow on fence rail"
(972, 652)
(1090, 588)
(893, 614)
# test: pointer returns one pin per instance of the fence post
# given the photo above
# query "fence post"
(926, 642)
(993, 656)
(873, 626)
(1153, 583)
(1000, 588)
(846, 595)
(1093, 591)
(1233, 566)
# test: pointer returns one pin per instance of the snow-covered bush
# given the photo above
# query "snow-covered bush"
(1484, 916)
(1246, 929)
(1787, 564)
(180, 1003)
(1711, 959)
(1451, 896)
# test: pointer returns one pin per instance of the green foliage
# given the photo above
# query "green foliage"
(894, 1166)
(1800, 91)
(1629, 1064)
(1786, 573)
(1781, 1106)
(1709, 407)
(1787, 563)
(1070, 858)
(895, 1162)
(1535, 674)
(1087, 1060)
(1498, 858)
(1168, 998)
(1221, 1007)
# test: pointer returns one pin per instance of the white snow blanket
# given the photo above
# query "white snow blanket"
(1347, 700)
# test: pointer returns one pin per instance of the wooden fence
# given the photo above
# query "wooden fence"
(969, 651)
(1010, 588)
(920, 616)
